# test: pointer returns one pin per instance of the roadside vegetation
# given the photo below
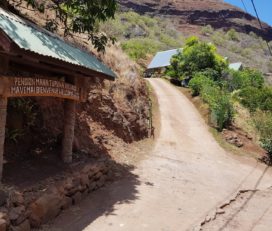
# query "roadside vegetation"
(141, 35)
(221, 89)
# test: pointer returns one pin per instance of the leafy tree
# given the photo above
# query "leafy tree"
(196, 56)
(79, 16)
(175, 70)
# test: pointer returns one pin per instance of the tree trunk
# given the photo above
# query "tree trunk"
(3, 116)
(69, 127)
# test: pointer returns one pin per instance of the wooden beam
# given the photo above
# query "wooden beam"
(5, 42)
(24, 64)
(68, 133)
(3, 116)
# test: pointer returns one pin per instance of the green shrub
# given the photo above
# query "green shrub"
(253, 35)
(247, 52)
(249, 97)
(256, 98)
(233, 35)
(236, 49)
(141, 35)
(207, 30)
(246, 78)
(218, 38)
(198, 81)
(139, 48)
(263, 123)
(27, 107)
(220, 105)
(168, 40)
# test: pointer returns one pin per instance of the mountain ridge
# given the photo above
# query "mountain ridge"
(187, 13)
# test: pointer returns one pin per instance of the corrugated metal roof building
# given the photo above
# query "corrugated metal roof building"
(29, 37)
(236, 66)
(162, 59)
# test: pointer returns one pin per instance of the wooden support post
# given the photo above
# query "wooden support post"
(3, 116)
(69, 127)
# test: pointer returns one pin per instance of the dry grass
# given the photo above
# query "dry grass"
(243, 119)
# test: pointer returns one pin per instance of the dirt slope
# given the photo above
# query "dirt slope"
(184, 179)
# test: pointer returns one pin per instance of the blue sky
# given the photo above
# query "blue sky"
(264, 8)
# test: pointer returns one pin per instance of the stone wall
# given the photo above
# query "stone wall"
(22, 211)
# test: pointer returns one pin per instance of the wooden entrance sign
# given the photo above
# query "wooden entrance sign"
(22, 87)
(37, 86)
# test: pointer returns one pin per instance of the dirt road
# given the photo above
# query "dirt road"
(182, 183)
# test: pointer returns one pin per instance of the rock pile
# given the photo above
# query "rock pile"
(232, 138)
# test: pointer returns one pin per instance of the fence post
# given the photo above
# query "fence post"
(68, 133)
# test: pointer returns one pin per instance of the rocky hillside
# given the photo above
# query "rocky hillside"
(188, 15)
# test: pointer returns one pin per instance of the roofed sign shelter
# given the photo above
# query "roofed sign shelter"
(55, 69)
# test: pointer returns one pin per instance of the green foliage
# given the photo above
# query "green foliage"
(138, 48)
(14, 134)
(253, 35)
(207, 30)
(196, 56)
(247, 52)
(256, 98)
(263, 122)
(220, 105)
(199, 81)
(236, 49)
(218, 38)
(25, 106)
(174, 71)
(79, 16)
(154, 33)
(212, 74)
(232, 35)
(245, 78)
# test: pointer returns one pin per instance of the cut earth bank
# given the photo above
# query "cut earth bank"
(37, 186)
(187, 182)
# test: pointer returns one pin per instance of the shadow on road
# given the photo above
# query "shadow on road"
(99, 203)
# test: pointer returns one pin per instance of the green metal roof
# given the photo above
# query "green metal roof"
(29, 37)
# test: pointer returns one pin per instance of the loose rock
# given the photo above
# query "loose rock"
(25, 226)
